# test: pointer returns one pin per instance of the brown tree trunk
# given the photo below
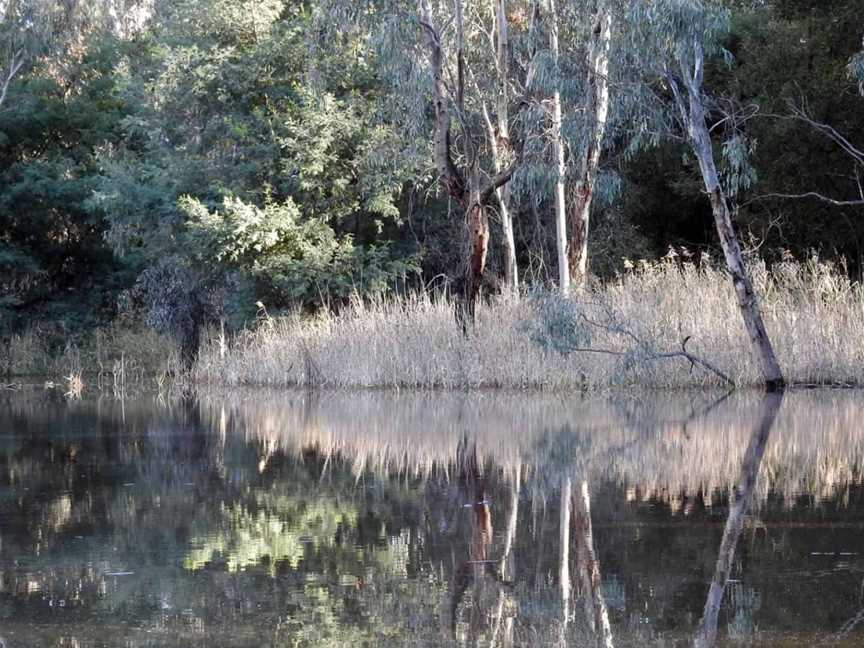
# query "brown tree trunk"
(706, 634)
(473, 196)
(477, 224)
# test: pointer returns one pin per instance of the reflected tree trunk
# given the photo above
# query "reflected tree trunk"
(507, 568)
(706, 634)
(564, 566)
(477, 570)
(589, 570)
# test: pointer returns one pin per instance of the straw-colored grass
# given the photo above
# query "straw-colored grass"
(814, 314)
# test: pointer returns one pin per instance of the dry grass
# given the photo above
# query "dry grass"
(814, 314)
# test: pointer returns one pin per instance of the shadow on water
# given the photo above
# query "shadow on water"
(288, 518)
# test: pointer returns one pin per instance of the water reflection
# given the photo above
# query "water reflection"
(283, 519)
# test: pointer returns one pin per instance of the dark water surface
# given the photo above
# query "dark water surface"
(373, 519)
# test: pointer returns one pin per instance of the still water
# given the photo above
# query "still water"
(270, 519)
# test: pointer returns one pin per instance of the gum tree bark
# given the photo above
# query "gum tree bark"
(473, 195)
(597, 110)
(706, 634)
(560, 163)
(692, 112)
(499, 141)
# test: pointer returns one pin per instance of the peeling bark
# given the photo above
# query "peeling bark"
(474, 195)
(597, 108)
(477, 221)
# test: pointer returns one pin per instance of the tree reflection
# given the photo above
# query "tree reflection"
(706, 634)
(371, 520)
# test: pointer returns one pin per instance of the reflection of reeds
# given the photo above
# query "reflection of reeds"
(74, 385)
(658, 447)
(811, 310)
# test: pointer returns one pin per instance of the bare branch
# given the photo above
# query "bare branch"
(800, 113)
(645, 352)
(499, 179)
(15, 66)
(858, 202)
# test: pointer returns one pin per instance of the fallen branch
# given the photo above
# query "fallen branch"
(646, 353)
(651, 356)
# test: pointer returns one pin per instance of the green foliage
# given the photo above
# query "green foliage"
(281, 152)
(54, 260)
(291, 259)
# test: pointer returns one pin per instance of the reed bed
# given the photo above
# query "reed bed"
(813, 312)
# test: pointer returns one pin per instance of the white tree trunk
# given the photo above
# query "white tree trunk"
(596, 110)
(561, 165)
(507, 568)
(589, 570)
(511, 273)
(693, 113)
(564, 566)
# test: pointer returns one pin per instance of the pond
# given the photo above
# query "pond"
(270, 519)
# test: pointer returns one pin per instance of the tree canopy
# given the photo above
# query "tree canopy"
(297, 153)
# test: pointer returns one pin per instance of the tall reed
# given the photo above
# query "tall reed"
(814, 314)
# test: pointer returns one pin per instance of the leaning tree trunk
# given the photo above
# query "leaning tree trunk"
(596, 110)
(560, 163)
(693, 114)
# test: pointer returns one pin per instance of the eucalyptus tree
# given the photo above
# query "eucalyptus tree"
(449, 67)
(36, 30)
(671, 40)
(499, 137)
(595, 111)
(577, 78)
